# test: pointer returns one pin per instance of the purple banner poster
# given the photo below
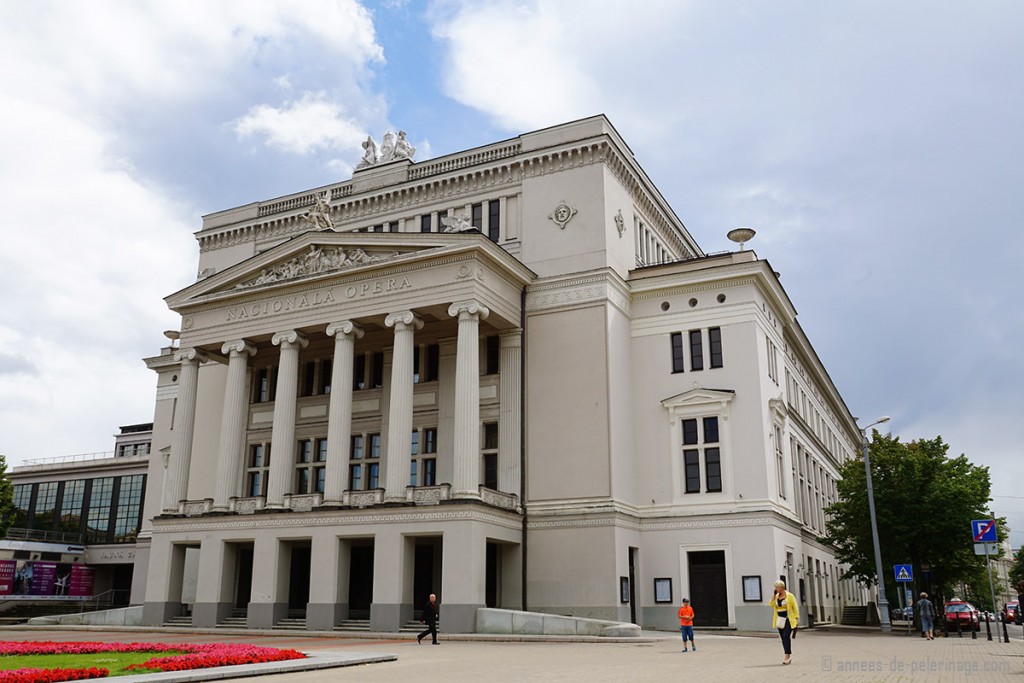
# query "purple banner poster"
(7, 568)
(43, 576)
(81, 581)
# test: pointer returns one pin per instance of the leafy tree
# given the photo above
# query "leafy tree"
(6, 498)
(924, 504)
(1017, 570)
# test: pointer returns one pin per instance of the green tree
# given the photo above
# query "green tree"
(924, 504)
(1017, 570)
(6, 498)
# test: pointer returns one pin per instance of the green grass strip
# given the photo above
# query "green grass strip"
(115, 662)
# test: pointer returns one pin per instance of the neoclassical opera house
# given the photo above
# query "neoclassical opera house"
(508, 376)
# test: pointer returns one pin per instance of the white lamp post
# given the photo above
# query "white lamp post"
(883, 602)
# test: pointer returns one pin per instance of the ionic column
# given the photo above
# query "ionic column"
(339, 412)
(176, 483)
(282, 438)
(400, 410)
(232, 427)
(466, 474)
(509, 413)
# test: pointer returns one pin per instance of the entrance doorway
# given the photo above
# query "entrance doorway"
(426, 572)
(360, 581)
(707, 586)
(298, 580)
(243, 577)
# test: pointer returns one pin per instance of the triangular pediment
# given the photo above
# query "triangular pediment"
(317, 255)
(698, 396)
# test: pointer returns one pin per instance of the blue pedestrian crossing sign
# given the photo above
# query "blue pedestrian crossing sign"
(984, 531)
(903, 572)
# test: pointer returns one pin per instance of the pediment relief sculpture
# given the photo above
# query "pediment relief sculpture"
(314, 262)
(456, 224)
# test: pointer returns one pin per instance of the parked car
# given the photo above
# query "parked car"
(1011, 612)
(959, 611)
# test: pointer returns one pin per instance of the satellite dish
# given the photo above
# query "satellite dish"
(741, 235)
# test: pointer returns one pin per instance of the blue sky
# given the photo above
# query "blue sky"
(877, 148)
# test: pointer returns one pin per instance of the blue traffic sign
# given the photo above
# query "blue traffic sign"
(984, 531)
(903, 572)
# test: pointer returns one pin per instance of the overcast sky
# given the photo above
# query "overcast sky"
(876, 147)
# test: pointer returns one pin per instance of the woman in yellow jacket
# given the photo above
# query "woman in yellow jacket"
(785, 617)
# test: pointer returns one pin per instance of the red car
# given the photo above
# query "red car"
(1009, 612)
(964, 613)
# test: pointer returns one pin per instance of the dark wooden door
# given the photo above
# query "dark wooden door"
(708, 595)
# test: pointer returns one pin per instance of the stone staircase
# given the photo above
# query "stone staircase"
(854, 615)
(291, 624)
(353, 625)
(181, 621)
(236, 620)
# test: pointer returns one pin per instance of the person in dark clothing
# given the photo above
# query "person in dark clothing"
(430, 619)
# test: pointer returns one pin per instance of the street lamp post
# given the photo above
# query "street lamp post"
(883, 602)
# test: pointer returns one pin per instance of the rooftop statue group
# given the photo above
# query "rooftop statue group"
(391, 149)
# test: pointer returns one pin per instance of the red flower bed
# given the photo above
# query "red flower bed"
(194, 656)
(50, 675)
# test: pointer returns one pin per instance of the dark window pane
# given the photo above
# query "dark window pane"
(355, 478)
(357, 447)
(430, 440)
(256, 455)
(254, 488)
(710, 430)
(321, 479)
(414, 443)
(326, 367)
(691, 463)
(378, 228)
(378, 369)
(321, 450)
(493, 355)
(715, 346)
(713, 464)
(429, 472)
(491, 435)
(677, 351)
(689, 431)
(491, 471)
(478, 216)
(425, 223)
(305, 451)
(359, 372)
(374, 446)
(433, 363)
(374, 475)
(696, 351)
(302, 480)
(393, 226)
(493, 220)
(415, 364)
(308, 378)
(413, 466)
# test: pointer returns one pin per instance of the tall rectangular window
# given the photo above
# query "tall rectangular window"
(308, 378)
(129, 508)
(22, 503)
(494, 220)
(263, 385)
(359, 372)
(98, 519)
(715, 346)
(691, 463)
(393, 226)
(490, 455)
(258, 469)
(326, 370)
(71, 506)
(378, 370)
(433, 363)
(477, 216)
(677, 351)
(46, 503)
(493, 355)
(696, 351)
(713, 469)
(425, 224)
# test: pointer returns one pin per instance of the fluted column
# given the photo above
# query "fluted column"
(282, 438)
(232, 426)
(176, 484)
(509, 413)
(400, 410)
(339, 415)
(466, 475)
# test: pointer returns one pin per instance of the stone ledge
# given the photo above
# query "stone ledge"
(494, 621)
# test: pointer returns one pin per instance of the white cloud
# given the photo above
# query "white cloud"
(310, 124)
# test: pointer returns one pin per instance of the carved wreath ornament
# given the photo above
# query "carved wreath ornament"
(562, 214)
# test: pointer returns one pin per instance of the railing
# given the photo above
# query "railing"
(64, 459)
(115, 597)
(42, 535)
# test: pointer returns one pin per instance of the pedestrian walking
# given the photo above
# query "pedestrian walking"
(785, 617)
(686, 623)
(430, 619)
(926, 610)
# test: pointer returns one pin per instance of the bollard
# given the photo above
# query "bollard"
(974, 631)
(1006, 635)
(959, 631)
(988, 628)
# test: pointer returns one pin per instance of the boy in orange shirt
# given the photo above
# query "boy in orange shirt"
(686, 623)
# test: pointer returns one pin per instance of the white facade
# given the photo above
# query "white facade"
(556, 411)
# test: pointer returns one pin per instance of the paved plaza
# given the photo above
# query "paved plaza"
(822, 654)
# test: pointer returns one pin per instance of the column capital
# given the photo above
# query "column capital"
(238, 346)
(293, 337)
(470, 307)
(404, 318)
(345, 327)
(191, 355)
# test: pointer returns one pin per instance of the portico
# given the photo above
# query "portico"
(339, 395)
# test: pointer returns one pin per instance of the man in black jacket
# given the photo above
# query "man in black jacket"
(430, 619)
